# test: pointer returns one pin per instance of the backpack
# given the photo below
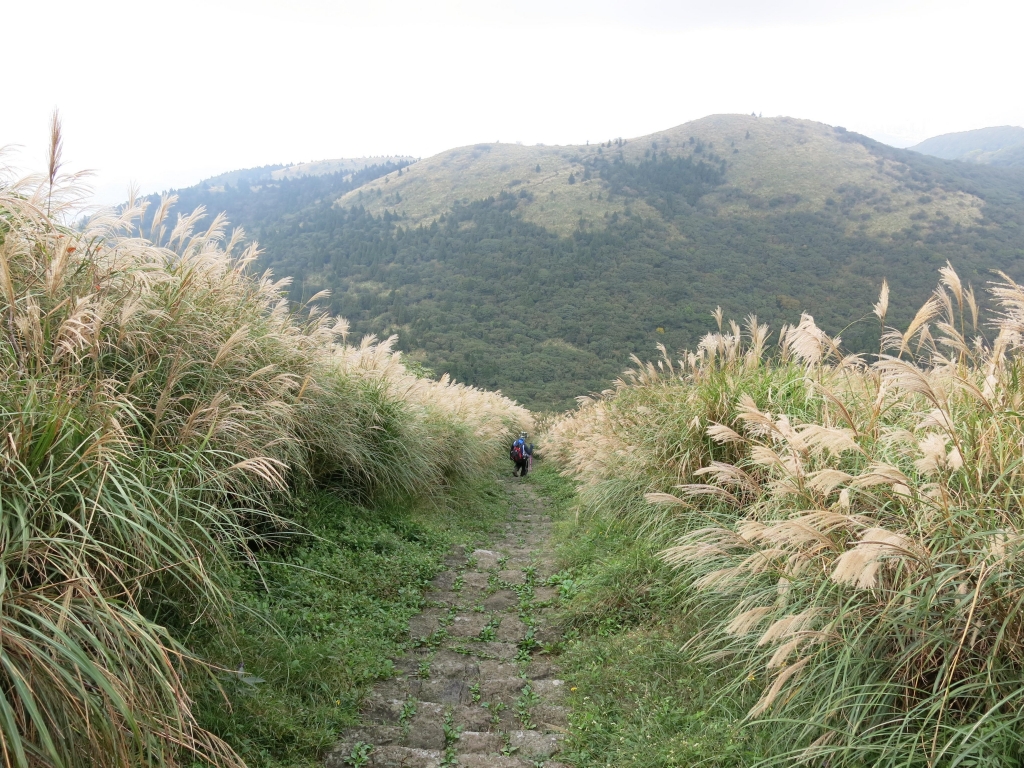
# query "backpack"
(518, 452)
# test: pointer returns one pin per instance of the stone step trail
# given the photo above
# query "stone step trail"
(477, 690)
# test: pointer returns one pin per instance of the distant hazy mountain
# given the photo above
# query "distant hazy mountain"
(268, 174)
(1001, 145)
(341, 165)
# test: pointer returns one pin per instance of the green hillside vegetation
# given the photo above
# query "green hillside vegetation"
(1002, 145)
(543, 282)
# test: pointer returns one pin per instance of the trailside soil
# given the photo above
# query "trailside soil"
(478, 688)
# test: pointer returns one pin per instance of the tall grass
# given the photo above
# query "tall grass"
(854, 527)
(157, 404)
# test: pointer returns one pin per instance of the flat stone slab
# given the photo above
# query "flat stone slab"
(493, 650)
(535, 744)
(512, 577)
(492, 761)
(460, 667)
(486, 560)
(473, 718)
(387, 757)
(443, 580)
(511, 630)
(540, 670)
(382, 711)
(469, 625)
(378, 735)
(443, 596)
(545, 594)
(551, 689)
(493, 669)
(550, 718)
(502, 600)
(547, 635)
(425, 733)
(501, 691)
(478, 742)
(475, 580)
(441, 691)
(456, 558)
(426, 623)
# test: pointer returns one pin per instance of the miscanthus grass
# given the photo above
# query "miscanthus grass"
(853, 525)
(158, 403)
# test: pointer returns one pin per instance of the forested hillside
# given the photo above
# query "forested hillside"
(539, 270)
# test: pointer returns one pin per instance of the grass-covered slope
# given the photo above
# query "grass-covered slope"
(846, 536)
(162, 408)
(543, 282)
(797, 164)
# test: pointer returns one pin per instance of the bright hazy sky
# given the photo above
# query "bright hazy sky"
(165, 94)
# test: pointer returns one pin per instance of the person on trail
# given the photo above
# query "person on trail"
(520, 454)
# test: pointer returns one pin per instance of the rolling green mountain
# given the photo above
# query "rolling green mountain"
(539, 270)
(1002, 145)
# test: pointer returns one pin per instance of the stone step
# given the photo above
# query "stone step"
(502, 600)
(551, 690)
(480, 743)
(493, 761)
(377, 735)
(474, 717)
(490, 650)
(427, 623)
(548, 717)
(535, 745)
(486, 559)
(386, 757)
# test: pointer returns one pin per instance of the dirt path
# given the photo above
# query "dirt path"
(477, 692)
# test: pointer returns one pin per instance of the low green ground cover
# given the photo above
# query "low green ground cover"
(637, 697)
(315, 628)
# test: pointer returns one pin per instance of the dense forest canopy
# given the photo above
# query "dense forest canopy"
(501, 302)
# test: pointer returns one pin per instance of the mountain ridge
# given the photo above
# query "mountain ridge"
(544, 290)
(798, 177)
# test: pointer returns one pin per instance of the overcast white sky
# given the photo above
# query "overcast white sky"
(165, 94)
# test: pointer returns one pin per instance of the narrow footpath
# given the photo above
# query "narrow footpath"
(477, 691)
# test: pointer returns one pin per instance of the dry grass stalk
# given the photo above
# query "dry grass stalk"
(863, 516)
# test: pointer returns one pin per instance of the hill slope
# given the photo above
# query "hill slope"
(1002, 145)
(798, 164)
(543, 282)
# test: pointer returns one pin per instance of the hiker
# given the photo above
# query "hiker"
(521, 454)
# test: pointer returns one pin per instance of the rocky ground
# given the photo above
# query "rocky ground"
(478, 690)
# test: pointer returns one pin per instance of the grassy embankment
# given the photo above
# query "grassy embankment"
(844, 537)
(169, 429)
(636, 699)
